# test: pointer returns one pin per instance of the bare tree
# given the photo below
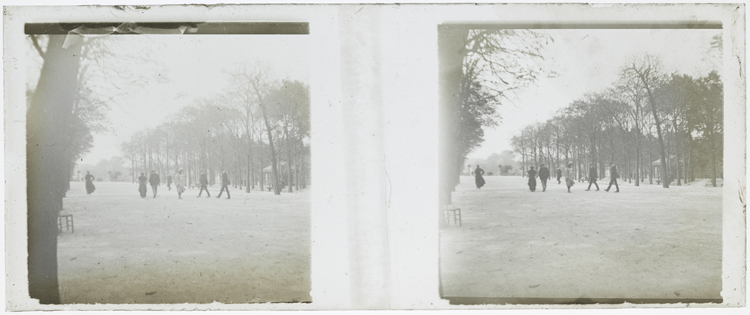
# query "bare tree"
(48, 165)
(647, 70)
(479, 69)
(261, 86)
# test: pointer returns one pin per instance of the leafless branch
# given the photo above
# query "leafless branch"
(36, 45)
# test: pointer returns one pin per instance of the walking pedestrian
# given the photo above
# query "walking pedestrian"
(532, 179)
(478, 179)
(570, 176)
(89, 183)
(169, 181)
(543, 175)
(179, 183)
(593, 175)
(142, 185)
(613, 175)
(154, 181)
(559, 175)
(224, 184)
(204, 184)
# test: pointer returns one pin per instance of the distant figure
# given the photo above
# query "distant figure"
(154, 181)
(89, 183)
(224, 184)
(613, 178)
(559, 175)
(543, 175)
(142, 185)
(179, 183)
(169, 181)
(478, 179)
(570, 176)
(204, 185)
(532, 179)
(593, 175)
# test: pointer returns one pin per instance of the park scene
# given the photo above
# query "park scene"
(581, 165)
(178, 176)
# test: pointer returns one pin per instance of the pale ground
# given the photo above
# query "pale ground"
(252, 248)
(644, 242)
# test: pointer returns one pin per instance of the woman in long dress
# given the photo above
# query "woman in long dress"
(179, 182)
(569, 176)
(142, 185)
(532, 179)
(478, 179)
(89, 183)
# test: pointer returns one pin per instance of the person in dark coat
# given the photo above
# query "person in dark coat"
(224, 184)
(559, 175)
(613, 175)
(478, 179)
(593, 175)
(154, 181)
(204, 184)
(169, 181)
(89, 183)
(142, 185)
(532, 179)
(543, 175)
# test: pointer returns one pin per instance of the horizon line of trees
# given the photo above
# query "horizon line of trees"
(652, 125)
(257, 124)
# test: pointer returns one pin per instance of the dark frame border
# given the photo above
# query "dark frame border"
(201, 28)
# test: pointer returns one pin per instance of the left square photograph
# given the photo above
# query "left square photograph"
(168, 162)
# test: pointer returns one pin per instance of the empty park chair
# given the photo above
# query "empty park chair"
(68, 222)
(452, 213)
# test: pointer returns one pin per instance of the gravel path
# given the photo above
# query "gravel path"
(252, 248)
(645, 242)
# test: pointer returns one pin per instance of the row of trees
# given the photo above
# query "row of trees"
(258, 130)
(651, 124)
(479, 69)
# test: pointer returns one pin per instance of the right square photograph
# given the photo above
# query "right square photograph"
(581, 163)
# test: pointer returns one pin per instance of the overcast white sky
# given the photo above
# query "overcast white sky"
(589, 61)
(187, 68)
(191, 67)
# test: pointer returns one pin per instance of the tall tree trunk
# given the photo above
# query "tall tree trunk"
(289, 171)
(685, 160)
(288, 158)
(274, 168)
(249, 173)
(48, 120)
(451, 53)
(651, 168)
(592, 139)
(299, 170)
(664, 174)
(713, 160)
(638, 162)
(262, 175)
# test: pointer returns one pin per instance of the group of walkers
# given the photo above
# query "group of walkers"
(179, 182)
(569, 175)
